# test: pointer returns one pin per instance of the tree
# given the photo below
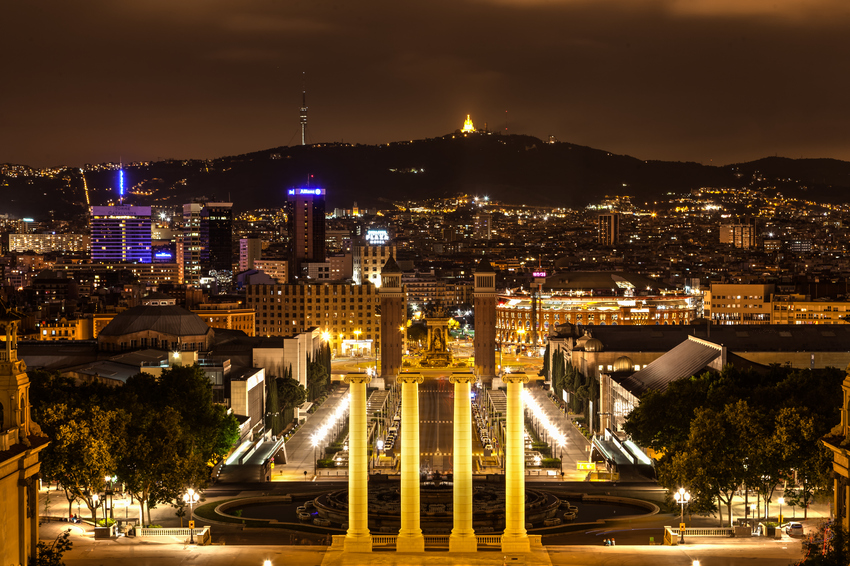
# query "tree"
(317, 378)
(712, 462)
(176, 433)
(290, 394)
(82, 449)
(51, 554)
(545, 371)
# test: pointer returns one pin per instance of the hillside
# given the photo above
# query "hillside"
(512, 168)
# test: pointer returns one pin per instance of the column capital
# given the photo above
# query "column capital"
(515, 378)
(410, 378)
(357, 378)
(463, 377)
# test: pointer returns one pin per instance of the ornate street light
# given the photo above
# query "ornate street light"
(191, 497)
(682, 497)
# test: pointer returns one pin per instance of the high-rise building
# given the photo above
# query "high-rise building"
(217, 237)
(368, 260)
(189, 246)
(305, 221)
(483, 225)
(250, 249)
(608, 226)
(121, 234)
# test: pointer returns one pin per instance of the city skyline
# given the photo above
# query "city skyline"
(713, 82)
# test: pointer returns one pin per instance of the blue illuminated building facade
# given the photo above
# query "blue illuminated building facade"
(305, 218)
(121, 234)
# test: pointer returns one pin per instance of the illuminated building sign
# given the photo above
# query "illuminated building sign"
(586, 466)
(28, 220)
(121, 182)
(539, 274)
(163, 255)
(377, 237)
(308, 191)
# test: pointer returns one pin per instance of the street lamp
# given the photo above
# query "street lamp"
(107, 495)
(315, 442)
(681, 498)
(191, 497)
(781, 501)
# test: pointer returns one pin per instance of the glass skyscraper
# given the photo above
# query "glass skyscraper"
(121, 234)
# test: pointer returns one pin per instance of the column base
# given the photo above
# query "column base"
(463, 543)
(515, 543)
(358, 544)
(410, 543)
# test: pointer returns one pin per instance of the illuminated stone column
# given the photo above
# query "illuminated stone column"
(358, 539)
(462, 538)
(515, 538)
(410, 537)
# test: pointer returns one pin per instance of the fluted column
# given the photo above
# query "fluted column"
(515, 538)
(462, 538)
(358, 539)
(410, 537)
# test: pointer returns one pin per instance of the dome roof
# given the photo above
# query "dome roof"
(593, 345)
(623, 363)
(172, 320)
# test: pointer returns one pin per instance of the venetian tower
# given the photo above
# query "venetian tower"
(484, 303)
(393, 314)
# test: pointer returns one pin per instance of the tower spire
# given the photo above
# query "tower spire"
(304, 109)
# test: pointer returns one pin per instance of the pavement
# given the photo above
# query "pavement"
(300, 454)
(578, 446)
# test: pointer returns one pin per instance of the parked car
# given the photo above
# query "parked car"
(794, 529)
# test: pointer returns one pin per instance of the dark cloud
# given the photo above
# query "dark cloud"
(701, 80)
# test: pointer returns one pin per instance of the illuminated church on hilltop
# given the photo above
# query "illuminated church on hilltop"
(469, 127)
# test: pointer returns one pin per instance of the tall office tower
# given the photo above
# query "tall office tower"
(190, 243)
(217, 237)
(483, 225)
(393, 320)
(250, 249)
(369, 257)
(121, 234)
(608, 225)
(305, 222)
(484, 303)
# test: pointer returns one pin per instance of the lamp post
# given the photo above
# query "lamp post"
(315, 442)
(682, 497)
(108, 495)
(781, 502)
(357, 334)
(191, 497)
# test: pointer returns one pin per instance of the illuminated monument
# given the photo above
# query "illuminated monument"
(467, 128)
(354, 547)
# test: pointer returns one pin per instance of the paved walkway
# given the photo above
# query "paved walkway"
(577, 448)
(299, 447)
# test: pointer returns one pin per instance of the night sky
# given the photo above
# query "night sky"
(712, 81)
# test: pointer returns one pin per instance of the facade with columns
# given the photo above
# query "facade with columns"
(20, 443)
(410, 539)
(836, 442)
